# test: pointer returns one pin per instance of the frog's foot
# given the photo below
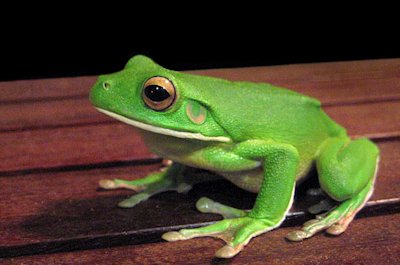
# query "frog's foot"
(206, 205)
(334, 222)
(236, 232)
(146, 187)
(152, 189)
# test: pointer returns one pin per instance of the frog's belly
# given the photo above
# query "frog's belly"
(250, 180)
(211, 156)
(244, 173)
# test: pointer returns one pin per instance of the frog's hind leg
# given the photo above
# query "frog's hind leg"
(347, 171)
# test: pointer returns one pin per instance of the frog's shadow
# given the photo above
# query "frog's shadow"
(100, 215)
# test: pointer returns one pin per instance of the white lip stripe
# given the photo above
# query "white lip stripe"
(151, 128)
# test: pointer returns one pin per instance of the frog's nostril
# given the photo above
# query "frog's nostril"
(106, 85)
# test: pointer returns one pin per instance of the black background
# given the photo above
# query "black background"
(59, 60)
(73, 50)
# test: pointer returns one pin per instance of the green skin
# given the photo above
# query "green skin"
(262, 138)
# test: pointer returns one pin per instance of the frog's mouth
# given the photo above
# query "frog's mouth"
(152, 128)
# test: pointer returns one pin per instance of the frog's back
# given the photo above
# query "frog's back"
(270, 89)
(248, 110)
(298, 105)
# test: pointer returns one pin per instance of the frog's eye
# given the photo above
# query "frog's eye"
(158, 93)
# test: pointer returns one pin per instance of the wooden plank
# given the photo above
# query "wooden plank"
(49, 114)
(326, 71)
(370, 79)
(70, 146)
(102, 143)
(372, 240)
(374, 120)
(58, 211)
(45, 89)
(332, 83)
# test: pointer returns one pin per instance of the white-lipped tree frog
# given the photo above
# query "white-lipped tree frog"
(262, 138)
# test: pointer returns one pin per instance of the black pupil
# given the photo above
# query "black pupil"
(156, 93)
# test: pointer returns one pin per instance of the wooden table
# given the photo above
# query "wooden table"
(54, 148)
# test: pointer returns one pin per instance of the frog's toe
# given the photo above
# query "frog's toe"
(341, 226)
(227, 252)
(173, 236)
(336, 229)
(110, 184)
(183, 187)
(134, 200)
(214, 230)
(309, 229)
(206, 205)
(107, 184)
(297, 235)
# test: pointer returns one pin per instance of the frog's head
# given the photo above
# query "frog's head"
(155, 99)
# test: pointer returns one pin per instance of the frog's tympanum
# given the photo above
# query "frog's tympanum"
(262, 138)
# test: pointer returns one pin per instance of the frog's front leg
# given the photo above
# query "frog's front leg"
(167, 180)
(273, 201)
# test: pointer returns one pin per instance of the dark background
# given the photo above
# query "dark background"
(36, 53)
(70, 39)
(31, 62)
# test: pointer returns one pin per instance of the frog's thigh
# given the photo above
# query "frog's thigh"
(346, 173)
(345, 167)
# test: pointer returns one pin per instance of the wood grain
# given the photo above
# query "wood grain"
(329, 82)
(373, 120)
(62, 211)
(70, 146)
(49, 114)
(45, 89)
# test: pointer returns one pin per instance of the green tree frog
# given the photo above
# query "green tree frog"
(262, 138)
